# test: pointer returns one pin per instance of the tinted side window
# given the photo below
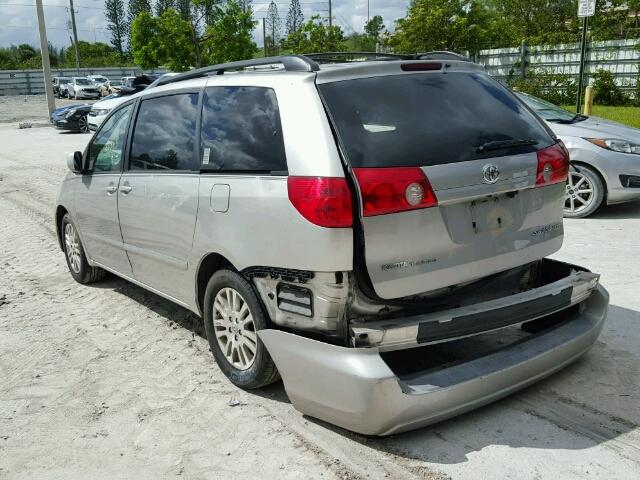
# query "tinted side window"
(241, 130)
(164, 137)
(105, 151)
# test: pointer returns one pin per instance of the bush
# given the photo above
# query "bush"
(605, 90)
(556, 88)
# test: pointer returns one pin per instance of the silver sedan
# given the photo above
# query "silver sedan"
(605, 155)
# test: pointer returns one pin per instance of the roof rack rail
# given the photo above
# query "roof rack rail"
(291, 63)
(344, 56)
(441, 55)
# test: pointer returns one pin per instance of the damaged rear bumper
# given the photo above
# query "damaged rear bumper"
(355, 388)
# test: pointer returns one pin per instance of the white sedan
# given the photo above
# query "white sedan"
(605, 156)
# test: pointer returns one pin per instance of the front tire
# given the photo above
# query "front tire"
(77, 262)
(83, 124)
(584, 192)
(232, 316)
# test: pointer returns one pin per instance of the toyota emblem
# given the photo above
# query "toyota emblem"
(490, 173)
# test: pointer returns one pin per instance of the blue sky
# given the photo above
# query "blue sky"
(18, 21)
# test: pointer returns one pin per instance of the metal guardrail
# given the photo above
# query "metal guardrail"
(31, 82)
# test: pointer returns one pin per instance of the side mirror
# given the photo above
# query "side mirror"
(74, 162)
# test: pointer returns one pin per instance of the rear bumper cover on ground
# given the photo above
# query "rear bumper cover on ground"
(355, 389)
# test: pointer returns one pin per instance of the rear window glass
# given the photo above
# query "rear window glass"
(428, 119)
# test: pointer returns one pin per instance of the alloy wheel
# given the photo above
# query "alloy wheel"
(72, 247)
(83, 124)
(234, 328)
(579, 194)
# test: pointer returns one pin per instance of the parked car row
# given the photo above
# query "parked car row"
(100, 110)
(87, 117)
(91, 86)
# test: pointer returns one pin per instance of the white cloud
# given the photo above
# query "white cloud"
(20, 24)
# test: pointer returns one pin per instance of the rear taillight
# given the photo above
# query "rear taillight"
(324, 201)
(553, 165)
(389, 190)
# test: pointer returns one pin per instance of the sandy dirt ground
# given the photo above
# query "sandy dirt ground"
(109, 381)
(30, 108)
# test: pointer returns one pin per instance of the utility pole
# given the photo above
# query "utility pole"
(264, 37)
(75, 36)
(44, 51)
(330, 14)
(368, 11)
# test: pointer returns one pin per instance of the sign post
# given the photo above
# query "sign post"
(586, 9)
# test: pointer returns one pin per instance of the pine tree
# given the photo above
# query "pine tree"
(184, 9)
(295, 19)
(273, 26)
(163, 5)
(117, 24)
(136, 7)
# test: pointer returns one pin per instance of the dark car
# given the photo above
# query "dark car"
(60, 112)
(73, 118)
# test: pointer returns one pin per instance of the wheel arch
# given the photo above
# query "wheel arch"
(208, 265)
(61, 211)
(598, 172)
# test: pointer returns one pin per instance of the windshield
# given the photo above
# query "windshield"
(546, 110)
(430, 119)
(82, 81)
(64, 80)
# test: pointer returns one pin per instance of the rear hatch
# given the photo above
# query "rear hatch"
(455, 178)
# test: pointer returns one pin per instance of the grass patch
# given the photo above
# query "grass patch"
(627, 115)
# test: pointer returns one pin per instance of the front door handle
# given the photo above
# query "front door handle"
(125, 189)
(111, 189)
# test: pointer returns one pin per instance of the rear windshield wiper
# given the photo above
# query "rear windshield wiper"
(500, 144)
(576, 118)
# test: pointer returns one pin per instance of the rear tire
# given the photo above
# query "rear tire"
(584, 194)
(77, 262)
(232, 316)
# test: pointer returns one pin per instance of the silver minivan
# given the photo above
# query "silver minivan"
(372, 232)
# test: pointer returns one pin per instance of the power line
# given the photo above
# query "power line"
(59, 28)
(48, 5)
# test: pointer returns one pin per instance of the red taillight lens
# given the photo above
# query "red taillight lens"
(324, 201)
(389, 190)
(553, 165)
